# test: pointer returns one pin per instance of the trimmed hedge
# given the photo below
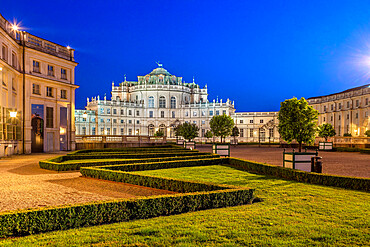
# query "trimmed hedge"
(129, 155)
(302, 176)
(175, 185)
(345, 149)
(166, 164)
(27, 222)
(50, 164)
(170, 150)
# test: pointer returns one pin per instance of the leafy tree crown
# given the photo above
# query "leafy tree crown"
(221, 125)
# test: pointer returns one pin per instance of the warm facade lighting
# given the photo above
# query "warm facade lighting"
(13, 114)
(84, 115)
(68, 47)
(62, 130)
(15, 27)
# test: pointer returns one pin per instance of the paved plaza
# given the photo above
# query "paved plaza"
(338, 163)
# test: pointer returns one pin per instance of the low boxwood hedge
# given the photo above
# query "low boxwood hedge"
(27, 222)
(347, 149)
(302, 176)
(54, 163)
(132, 155)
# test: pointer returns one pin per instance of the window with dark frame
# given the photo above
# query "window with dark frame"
(49, 117)
(36, 66)
(49, 91)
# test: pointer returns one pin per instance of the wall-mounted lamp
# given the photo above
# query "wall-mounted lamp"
(13, 114)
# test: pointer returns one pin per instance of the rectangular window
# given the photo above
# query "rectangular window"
(173, 114)
(251, 121)
(93, 132)
(36, 89)
(121, 121)
(36, 66)
(340, 106)
(63, 74)
(211, 113)
(347, 104)
(366, 101)
(83, 130)
(357, 103)
(114, 111)
(261, 120)
(150, 114)
(49, 117)
(186, 114)
(49, 91)
(194, 122)
(102, 131)
(332, 107)
(50, 70)
(108, 120)
(194, 113)
(224, 112)
(241, 133)
(102, 120)
(129, 131)
(114, 131)
(137, 121)
(324, 107)
(122, 131)
(203, 122)
(203, 113)
(137, 113)
(251, 132)
(108, 131)
(217, 113)
(63, 94)
(4, 51)
(162, 114)
(339, 117)
(122, 112)
(108, 110)
(14, 60)
(271, 132)
(356, 115)
(130, 121)
(114, 120)
(347, 116)
(241, 121)
(101, 110)
(129, 112)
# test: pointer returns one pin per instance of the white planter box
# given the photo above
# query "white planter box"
(221, 149)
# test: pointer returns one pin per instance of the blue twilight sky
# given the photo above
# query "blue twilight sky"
(257, 53)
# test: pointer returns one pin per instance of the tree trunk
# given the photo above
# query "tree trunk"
(299, 146)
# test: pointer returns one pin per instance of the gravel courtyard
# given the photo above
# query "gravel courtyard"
(337, 163)
(23, 184)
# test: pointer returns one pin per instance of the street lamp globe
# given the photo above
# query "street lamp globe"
(13, 114)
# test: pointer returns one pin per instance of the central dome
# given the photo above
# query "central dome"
(159, 71)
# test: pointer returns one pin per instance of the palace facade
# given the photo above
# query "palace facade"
(347, 111)
(161, 101)
(37, 93)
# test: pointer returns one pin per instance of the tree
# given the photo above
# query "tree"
(159, 133)
(178, 130)
(189, 131)
(221, 125)
(297, 121)
(326, 130)
(235, 133)
(367, 133)
(208, 134)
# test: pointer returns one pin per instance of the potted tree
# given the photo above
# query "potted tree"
(297, 121)
(326, 130)
(221, 126)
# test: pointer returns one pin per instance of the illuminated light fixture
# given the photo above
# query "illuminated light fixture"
(62, 130)
(15, 27)
(13, 114)
(68, 47)
(84, 115)
(1, 68)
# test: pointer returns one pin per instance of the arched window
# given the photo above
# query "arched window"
(163, 128)
(151, 102)
(162, 102)
(151, 130)
(173, 102)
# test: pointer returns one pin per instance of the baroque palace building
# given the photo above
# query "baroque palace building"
(161, 101)
(37, 93)
(347, 111)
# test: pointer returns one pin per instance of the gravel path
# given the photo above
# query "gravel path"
(337, 163)
(24, 185)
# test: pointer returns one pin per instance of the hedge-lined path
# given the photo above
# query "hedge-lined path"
(23, 184)
(337, 163)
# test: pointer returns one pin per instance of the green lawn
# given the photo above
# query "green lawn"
(291, 214)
